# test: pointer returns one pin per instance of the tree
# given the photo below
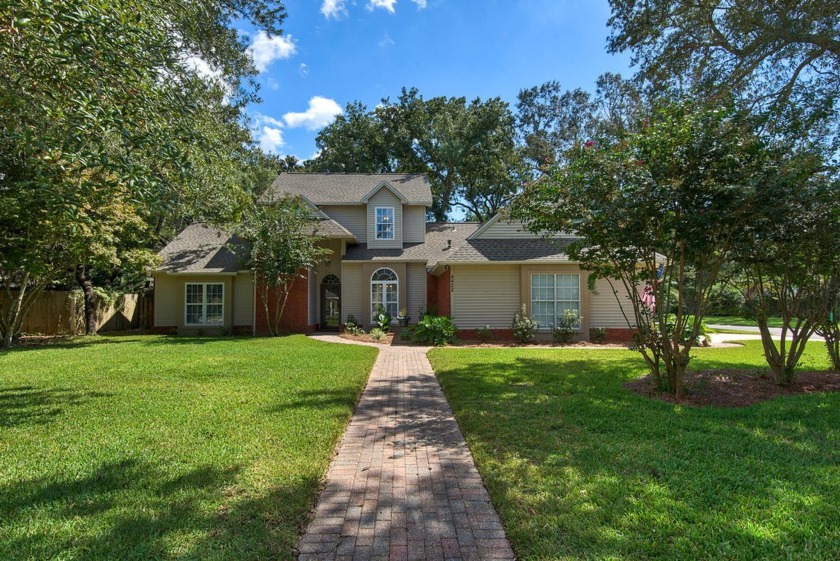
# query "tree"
(468, 150)
(782, 56)
(788, 254)
(102, 108)
(283, 246)
(658, 210)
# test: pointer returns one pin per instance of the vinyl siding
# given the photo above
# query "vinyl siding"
(351, 291)
(166, 301)
(354, 218)
(604, 310)
(414, 224)
(505, 230)
(243, 299)
(416, 287)
(384, 198)
(485, 295)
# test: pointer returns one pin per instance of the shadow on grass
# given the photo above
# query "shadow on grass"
(28, 405)
(138, 510)
(578, 466)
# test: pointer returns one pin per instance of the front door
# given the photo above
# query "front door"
(330, 303)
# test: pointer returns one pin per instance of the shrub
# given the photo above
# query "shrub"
(434, 330)
(377, 334)
(352, 326)
(407, 333)
(598, 334)
(524, 326)
(382, 319)
(567, 327)
(485, 334)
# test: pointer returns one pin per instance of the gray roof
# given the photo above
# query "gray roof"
(349, 188)
(533, 249)
(332, 229)
(202, 248)
(435, 249)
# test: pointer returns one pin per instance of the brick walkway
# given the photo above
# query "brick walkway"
(403, 485)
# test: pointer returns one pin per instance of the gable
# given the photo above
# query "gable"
(498, 228)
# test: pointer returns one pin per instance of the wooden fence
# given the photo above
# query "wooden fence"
(62, 313)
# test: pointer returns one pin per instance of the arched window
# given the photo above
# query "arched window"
(330, 279)
(384, 292)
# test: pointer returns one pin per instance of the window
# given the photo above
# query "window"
(552, 295)
(205, 303)
(384, 223)
(384, 292)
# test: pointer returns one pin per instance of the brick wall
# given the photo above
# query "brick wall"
(296, 315)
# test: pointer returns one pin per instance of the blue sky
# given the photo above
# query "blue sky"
(336, 51)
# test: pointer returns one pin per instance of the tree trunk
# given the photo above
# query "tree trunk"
(83, 278)
(13, 320)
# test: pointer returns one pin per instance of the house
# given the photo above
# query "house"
(384, 253)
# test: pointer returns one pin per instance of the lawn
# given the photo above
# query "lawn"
(742, 322)
(163, 447)
(581, 468)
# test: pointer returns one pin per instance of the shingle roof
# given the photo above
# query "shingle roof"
(349, 188)
(202, 248)
(332, 229)
(435, 248)
(534, 249)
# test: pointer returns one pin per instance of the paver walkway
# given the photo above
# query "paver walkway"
(403, 485)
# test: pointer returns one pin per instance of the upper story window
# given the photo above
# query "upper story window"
(385, 223)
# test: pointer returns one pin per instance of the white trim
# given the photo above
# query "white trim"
(554, 276)
(376, 210)
(385, 184)
(204, 305)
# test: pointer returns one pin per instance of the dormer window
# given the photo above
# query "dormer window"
(385, 223)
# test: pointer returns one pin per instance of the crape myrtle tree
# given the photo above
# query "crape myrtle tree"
(788, 255)
(283, 245)
(670, 197)
(104, 117)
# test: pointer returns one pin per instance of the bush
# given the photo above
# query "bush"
(524, 326)
(382, 319)
(407, 333)
(434, 330)
(599, 335)
(567, 327)
(485, 334)
(352, 327)
(377, 334)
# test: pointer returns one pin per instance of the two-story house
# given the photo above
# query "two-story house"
(384, 253)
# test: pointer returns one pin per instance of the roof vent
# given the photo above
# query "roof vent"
(448, 244)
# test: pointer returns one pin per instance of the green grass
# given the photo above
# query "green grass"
(168, 448)
(581, 468)
(744, 322)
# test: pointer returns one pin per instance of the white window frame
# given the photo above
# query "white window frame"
(377, 223)
(557, 303)
(203, 304)
(385, 284)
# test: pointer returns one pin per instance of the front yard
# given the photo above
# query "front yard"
(579, 467)
(153, 447)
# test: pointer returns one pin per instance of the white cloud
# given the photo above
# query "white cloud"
(420, 4)
(266, 50)
(268, 133)
(201, 67)
(303, 70)
(333, 8)
(386, 41)
(320, 113)
(384, 4)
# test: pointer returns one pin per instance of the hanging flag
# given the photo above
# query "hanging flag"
(660, 271)
(649, 298)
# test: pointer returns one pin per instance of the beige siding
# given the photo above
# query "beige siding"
(384, 198)
(354, 218)
(604, 309)
(503, 230)
(243, 299)
(485, 295)
(351, 291)
(416, 287)
(414, 224)
(166, 301)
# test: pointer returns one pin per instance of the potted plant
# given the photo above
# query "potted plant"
(403, 318)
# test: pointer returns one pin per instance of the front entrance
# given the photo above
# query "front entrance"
(330, 303)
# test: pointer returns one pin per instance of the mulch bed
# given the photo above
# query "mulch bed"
(389, 337)
(540, 344)
(738, 388)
